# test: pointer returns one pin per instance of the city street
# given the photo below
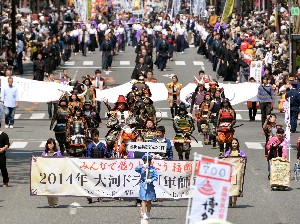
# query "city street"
(31, 130)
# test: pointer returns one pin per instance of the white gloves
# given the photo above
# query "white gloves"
(146, 165)
(148, 181)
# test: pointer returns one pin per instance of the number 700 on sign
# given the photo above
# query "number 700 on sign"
(218, 170)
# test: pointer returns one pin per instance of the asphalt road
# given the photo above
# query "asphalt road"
(259, 204)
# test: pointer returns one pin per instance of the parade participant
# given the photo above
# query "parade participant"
(141, 87)
(51, 151)
(39, 68)
(266, 98)
(92, 43)
(92, 118)
(213, 116)
(66, 79)
(76, 132)
(234, 151)
(67, 40)
(139, 69)
(174, 89)
(10, 98)
(162, 52)
(203, 78)
(90, 94)
(61, 116)
(124, 137)
(150, 78)
(269, 128)
(197, 99)
(51, 78)
(181, 32)
(4, 145)
(160, 138)
(183, 125)
(203, 119)
(106, 49)
(100, 84)
(171, 40)
(293, 95)
(147, 191)
(83, 39)
(150, 109)
(120, 114)
(225, 122)
(252, 105)
(74, 101)
(277, 147)
(149, 130)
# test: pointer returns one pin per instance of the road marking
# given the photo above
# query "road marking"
(18, 145)
(258, 117)
(37, 116)
(253, 145)
(161, 114)
(168, 76)
(179, 62)
(239, 117)
(198, 62)
(70, 63)
(124, 62)
(17, 116)
(42, 145)
(88, 63)
(194, 144)
(82, 67)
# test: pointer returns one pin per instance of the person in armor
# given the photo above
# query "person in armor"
(141, 116)
(162, 52)
(160, 138)
(126, 135)
(149, 130)
(174, 89)
(107, 52)
(92, 118)
(213, 115)
(225, 122)
(76, 132)
(197, 99)
(150, 109)
(61, 116)
(141, 87)
(74, 102)
(183, 125)
(203, 119)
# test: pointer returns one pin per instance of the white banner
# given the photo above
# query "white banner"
(234, 92)
(256, 69)
(159, 92)
(147, 147)
(106, 177)
(211, 191)
(36, 91)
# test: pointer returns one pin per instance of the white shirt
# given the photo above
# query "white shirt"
(269, 58)
(149, 31)
(93, 31)
(102, 26)
(157, 28)
(180, 31)
(20, 46)
(121, 30)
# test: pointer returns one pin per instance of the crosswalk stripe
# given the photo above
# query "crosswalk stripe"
(69, 63)
(88, 63)
(124, 62)
(198, 63)
(42, 145)
(179, 62)
(239, 117)
(18, 145)
(17, 116)
(254, 145)
(37, 116)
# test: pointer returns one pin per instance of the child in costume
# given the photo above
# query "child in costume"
(147, 191)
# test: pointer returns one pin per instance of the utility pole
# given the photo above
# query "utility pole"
(13, 25)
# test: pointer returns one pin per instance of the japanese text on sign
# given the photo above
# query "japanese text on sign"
(147, 147)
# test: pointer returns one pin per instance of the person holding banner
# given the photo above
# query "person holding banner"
(51, 150)
(160, 138)
(147, 191)
(234, 151)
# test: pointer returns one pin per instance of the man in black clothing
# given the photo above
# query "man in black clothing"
(39, 68)
(4, 144)
(141, 68)
(107, 52)
(163, 49)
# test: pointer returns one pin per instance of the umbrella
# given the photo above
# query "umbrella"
(25, 10)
